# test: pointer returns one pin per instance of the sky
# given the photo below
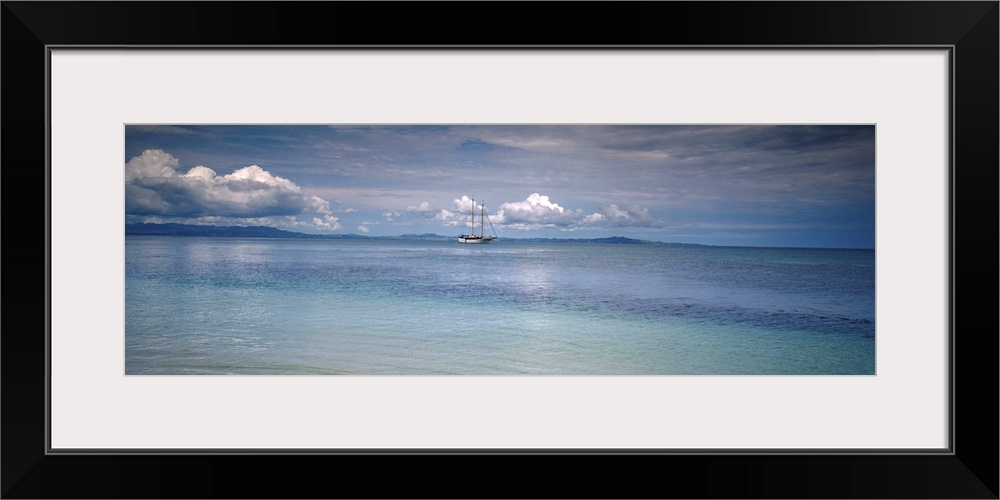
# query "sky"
(733, 185)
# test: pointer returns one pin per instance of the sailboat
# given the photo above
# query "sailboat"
(481, 237)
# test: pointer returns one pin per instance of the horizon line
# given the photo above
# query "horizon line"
(443, 236)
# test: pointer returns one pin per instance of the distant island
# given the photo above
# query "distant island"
(270, 232)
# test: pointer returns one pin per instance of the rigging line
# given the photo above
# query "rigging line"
(491, 226)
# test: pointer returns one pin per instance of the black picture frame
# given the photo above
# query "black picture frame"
(969, 470)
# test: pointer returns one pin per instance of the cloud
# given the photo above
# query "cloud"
(536, 207)
(154, 187)
(326, 222)
(538, 211)
(423, 209)
(633, 216)
(449, 218)
(390, 215)
(152, 163)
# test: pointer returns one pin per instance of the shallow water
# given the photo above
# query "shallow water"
(289, 306)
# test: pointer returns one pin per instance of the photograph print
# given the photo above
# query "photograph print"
(563, 249)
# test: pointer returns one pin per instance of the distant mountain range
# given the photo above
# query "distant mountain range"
(270, 232)
(191, 230)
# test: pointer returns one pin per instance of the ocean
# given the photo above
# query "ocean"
(263, 306)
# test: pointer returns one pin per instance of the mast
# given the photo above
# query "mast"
(482, 220)
(473, 233)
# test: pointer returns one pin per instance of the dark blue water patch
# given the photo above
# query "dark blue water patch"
(583, 301)
(731, 314)
(770, 319)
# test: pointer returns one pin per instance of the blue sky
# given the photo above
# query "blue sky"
(741, 185)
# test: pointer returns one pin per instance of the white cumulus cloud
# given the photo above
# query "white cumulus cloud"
(536, 208)
(326, 222)
(154, 187)
(539, 211)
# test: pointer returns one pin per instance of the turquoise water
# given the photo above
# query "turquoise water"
(289, 306)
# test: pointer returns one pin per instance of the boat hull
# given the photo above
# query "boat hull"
(478, 240)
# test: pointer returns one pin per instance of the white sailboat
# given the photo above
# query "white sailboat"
(481, 237)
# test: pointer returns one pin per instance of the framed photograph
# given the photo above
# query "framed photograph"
(722, 253)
